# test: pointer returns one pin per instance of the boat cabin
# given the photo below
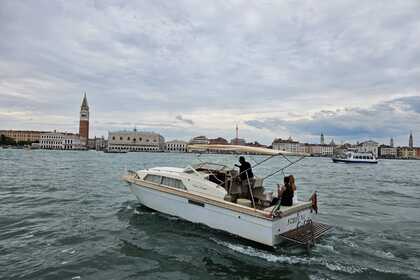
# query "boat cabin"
(228, 178)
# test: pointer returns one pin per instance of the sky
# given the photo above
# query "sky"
(348, 69)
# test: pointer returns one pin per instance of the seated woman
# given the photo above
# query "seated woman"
(285, 193)
(292, 183)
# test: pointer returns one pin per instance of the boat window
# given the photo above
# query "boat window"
(172, 182)
(153, 178)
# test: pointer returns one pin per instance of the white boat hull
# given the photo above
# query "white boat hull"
(343, 160)
(258, 229)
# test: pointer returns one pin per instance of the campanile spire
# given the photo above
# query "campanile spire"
(84, 122)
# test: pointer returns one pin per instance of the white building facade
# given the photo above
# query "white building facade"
(60, 141)
(368, 147)
(387, 152)
(319, 150)
(288, 146)
(135, 141)
(176, 146)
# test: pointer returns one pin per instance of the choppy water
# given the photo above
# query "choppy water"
(68, 215)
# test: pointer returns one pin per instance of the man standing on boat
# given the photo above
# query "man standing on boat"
(246, 175)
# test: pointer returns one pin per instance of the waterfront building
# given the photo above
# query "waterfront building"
(407, 152)
(340, 149)
(368, 147)
(385, 151)
(31, 136)
(417, 153)
(84, 122)
(91, 144)
(319, 150)
(97, 143)
(288, 145)
(410, 140)
(135, 141)
(199, 140)
(238, 141)
(218, 141)
(101, 143)
(176, 146)
(60, 141)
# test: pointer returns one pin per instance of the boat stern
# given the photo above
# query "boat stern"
(296, 224)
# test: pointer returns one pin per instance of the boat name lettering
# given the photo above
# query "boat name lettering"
(301, 219)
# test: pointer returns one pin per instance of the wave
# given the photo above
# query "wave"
(393, 194)
(292, 260)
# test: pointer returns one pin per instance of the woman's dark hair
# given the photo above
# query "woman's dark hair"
(287, 184)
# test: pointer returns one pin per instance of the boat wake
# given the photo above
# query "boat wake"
(294, 260)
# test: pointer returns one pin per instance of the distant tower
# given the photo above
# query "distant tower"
(410, 140)
(391, 142)
(322, 139)
(84, 122)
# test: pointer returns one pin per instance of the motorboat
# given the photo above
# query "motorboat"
(355, 157)
(204, 193)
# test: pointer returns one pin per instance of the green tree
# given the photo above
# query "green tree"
(4, 140)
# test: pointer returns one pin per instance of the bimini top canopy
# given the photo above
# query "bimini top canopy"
(211, 166)
(241, 150)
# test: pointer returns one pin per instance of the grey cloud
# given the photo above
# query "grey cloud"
(160, 56)
(383, 120)
(410, 103)
(182, 119)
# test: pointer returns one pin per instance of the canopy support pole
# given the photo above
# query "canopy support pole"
(250, 191)
(281, 169)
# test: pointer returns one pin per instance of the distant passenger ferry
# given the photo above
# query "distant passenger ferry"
(352, 157)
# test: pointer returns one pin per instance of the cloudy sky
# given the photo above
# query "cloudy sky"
(350, 69)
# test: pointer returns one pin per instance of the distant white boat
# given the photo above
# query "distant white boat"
(201, 194)
(353, 157)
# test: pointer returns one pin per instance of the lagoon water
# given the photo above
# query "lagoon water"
(68, 215)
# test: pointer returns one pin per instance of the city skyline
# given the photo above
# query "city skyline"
(183, 70)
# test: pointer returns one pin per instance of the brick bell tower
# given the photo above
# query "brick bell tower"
(84, 122)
